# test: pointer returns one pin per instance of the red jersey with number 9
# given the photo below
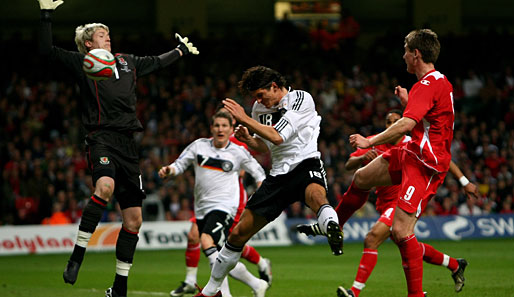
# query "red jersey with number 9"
(431, 106)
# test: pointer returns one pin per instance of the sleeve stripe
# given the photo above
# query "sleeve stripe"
(281, 125)
(299, 100)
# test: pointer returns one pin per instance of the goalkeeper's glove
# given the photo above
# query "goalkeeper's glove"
(185, 45)
(49, 4)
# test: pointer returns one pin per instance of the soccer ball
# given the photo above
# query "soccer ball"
(99, 64)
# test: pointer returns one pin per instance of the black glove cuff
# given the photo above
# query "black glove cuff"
(46, 14)
(183, 48)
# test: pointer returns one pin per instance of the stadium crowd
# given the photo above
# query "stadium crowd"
(44, 175)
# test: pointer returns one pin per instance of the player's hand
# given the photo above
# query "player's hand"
(164, 171)
(370, 155)
(49, 4)
(402, 94)
(236, 110)
(242, 134)
(471, 191)
(359, 141)
(186, 46)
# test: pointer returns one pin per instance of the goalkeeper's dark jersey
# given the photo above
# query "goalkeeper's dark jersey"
(109, 104)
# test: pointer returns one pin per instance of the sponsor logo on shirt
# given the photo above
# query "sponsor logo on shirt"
(425, 82)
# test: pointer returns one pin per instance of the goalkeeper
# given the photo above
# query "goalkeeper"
(109, 117)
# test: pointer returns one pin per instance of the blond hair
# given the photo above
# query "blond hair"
(85, 33)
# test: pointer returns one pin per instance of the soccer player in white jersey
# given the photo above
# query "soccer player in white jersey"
(217, 163)
(285, 123)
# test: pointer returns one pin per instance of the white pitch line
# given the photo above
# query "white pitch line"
(132, 292)
(137, 292)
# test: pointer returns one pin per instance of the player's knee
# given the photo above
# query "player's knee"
(397, 232)
(237, 237)
(359, 179)
(104, 188)
(133, 224)
(315, 196)
(192, 238)
(371, 241)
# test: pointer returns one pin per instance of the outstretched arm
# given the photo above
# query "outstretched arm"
(45, 28)
(184, 47)
(391, 134)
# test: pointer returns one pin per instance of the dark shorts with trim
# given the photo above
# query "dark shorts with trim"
(216, 223)
(115, 155)
(277, 192)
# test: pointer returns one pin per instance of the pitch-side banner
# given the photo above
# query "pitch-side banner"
(443, 228)
(152, 235)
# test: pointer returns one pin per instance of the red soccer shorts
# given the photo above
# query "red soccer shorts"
(387, 213)
(418, 182)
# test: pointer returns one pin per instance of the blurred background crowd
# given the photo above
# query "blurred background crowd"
(44, 175)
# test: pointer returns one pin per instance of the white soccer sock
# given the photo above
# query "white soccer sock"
(262, 264)
(326, 214)
(226, 261)
(358, 285)
(122, 268)
(225, 289)
(191, 275)
(243, 275)
(83, 238)
(446, 260)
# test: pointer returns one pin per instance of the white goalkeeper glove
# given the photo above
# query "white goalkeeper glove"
(49, 4)
(185, 45)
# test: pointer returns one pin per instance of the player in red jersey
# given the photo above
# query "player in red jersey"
(421, 165)
(387, 197)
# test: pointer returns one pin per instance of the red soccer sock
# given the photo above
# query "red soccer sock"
(433, 256)
(251, 254)
(353, 199)
(366, 266)
(412, 261)
(192, 255)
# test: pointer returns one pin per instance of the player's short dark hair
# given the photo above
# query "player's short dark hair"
(397, 111)
(223, 114)
(259, 77)
(424, 40)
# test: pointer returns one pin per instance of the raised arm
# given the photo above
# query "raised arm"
(45, 27)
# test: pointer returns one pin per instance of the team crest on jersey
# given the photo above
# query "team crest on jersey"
(425, 82)
(215, 163)
(104, 160)
(227, 166)
(122, 60)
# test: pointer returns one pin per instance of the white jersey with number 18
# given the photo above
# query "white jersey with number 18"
(296, 120)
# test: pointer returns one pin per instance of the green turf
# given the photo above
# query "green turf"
(297, 271)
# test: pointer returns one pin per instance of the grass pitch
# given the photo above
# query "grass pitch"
(297, 271)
